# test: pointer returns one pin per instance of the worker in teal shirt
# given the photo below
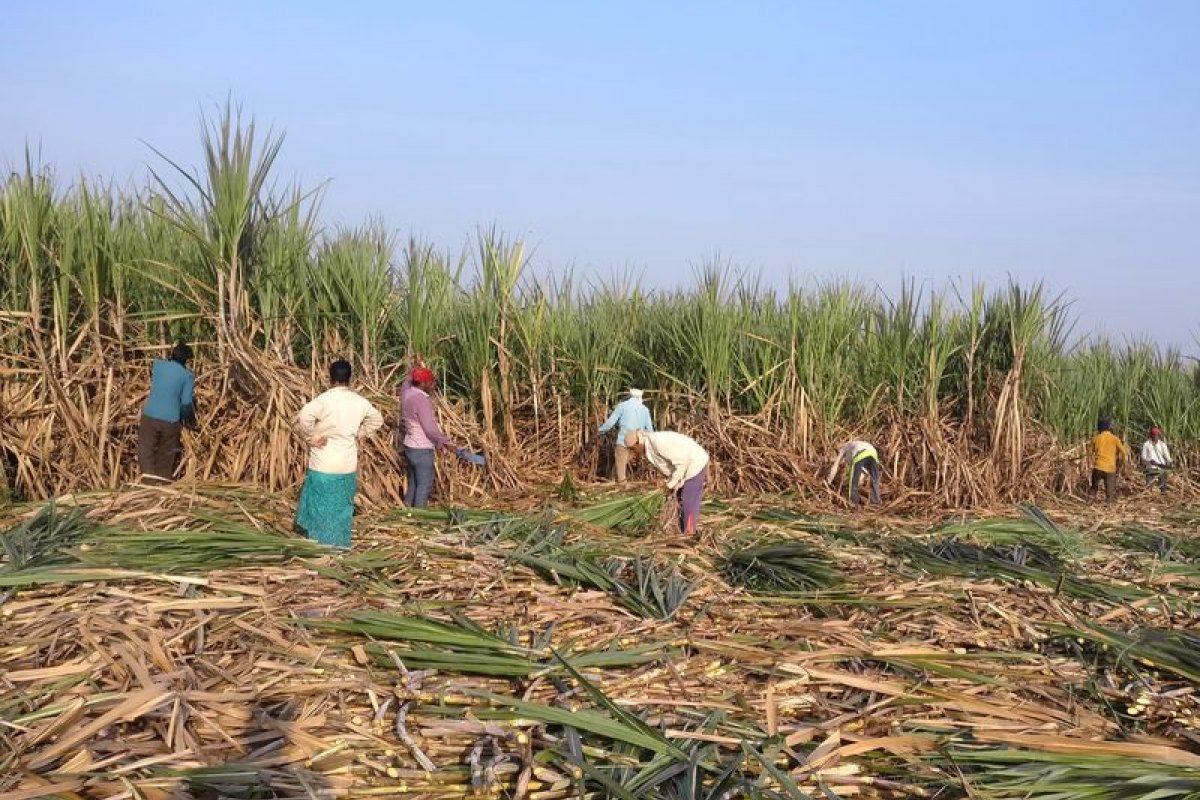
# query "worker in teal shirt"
(170, 406)
(629, 415)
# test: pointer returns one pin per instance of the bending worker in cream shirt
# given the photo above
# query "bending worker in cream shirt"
(683, 462)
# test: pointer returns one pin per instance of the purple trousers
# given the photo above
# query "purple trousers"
(689, 501)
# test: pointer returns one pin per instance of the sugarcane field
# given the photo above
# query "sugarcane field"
(304, 509)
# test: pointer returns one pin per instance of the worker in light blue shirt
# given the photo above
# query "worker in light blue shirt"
(170, 406)
(629, 415)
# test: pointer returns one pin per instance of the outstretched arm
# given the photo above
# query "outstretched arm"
(187, 401)
(833, 468)
(676, 479)
(429, 424)
(657, 461)
(612, 420)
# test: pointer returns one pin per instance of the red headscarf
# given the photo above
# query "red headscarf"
(422, 375)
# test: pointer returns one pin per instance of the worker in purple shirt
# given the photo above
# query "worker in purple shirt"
(422, 434)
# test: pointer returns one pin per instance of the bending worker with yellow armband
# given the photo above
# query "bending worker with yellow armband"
(859, 457)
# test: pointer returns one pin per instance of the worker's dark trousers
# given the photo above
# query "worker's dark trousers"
(158, 447)
(1159, 475)
(420, 476)
(1109, 479)
(871, 467)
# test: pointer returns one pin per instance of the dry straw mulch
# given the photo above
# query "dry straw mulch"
(112, 686)
(70, 419)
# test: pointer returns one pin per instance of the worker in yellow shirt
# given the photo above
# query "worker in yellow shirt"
(1106, 447)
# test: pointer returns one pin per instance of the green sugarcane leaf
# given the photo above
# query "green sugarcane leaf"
(780, 777)
(632, 720)
(615, 789)
(590, 721)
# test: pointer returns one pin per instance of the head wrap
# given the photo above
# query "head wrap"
(635, 393)
(1156, 431)
(422, 375)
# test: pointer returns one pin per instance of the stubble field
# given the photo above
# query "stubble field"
(177, 642)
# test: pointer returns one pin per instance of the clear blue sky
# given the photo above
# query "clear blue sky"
(865, 139)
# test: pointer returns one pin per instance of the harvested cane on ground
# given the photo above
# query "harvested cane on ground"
(1018, 563)
(629, 514)
(45, 538)
(451, 686)
(779, 565)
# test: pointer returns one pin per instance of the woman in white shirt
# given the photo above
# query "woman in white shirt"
(1156, 459)
(332, 425)
(682, 461)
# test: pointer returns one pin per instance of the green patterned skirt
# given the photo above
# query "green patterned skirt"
(326, 507)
